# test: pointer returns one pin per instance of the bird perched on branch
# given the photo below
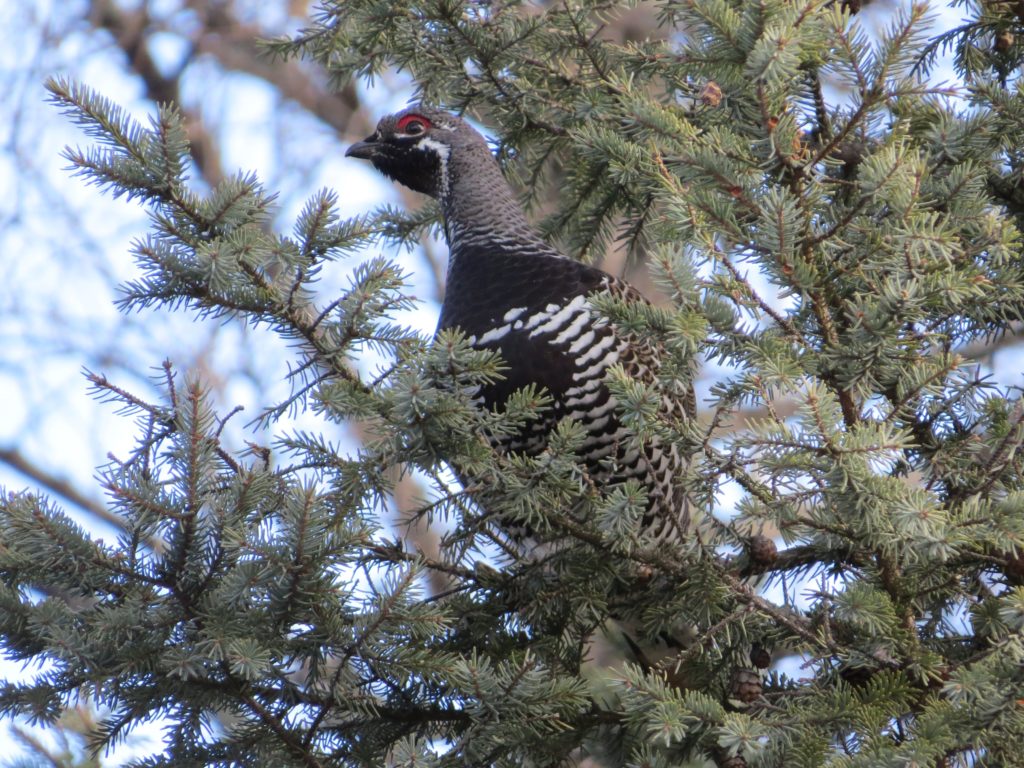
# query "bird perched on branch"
(509, 290)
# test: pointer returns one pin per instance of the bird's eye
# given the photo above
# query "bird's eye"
(413, 125)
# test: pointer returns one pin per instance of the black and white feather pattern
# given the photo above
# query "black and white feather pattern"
(509, 290)
(537, 309)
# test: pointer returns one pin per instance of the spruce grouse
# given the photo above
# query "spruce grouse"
(509, 290)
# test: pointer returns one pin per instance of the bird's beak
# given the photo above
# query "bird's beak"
(364, 150)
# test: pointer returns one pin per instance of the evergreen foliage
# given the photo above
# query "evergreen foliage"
(256, 607)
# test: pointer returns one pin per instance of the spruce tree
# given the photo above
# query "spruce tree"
(826, 222)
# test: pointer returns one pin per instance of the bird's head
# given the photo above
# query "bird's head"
(414, 147)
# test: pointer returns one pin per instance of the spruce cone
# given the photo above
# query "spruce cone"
(762, 550)
(745, 685)
(760, 657)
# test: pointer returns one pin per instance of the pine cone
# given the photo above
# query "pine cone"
(760, 657)
(762, 550)
(745, 685)
(726, 761)
(711, 94)
(1014, 568)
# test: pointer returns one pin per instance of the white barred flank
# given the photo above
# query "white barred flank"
(592, 346)
(510, 291)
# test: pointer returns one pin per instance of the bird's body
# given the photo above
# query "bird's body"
(509, 290)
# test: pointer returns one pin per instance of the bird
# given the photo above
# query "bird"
(509, 290)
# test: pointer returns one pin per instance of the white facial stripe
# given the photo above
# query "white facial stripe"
(443, 151)
(438, 146)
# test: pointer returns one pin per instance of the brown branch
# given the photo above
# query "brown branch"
(828, 330)
(59, 486)
(131, 30)
(234, 45)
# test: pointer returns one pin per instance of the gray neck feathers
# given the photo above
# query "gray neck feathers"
(479, 206)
